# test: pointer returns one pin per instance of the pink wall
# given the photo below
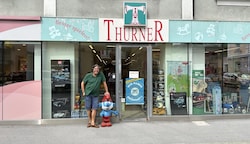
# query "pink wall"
(21, 101)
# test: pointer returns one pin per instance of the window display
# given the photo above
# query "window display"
(61, 88)
(227, 68)
(202, 101)
(79, 110)
(159, 107)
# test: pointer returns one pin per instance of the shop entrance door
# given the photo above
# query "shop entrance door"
(131, 84)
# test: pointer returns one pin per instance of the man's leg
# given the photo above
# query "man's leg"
(88, 108)
(95, 102)
(89, 116)
(93, 115)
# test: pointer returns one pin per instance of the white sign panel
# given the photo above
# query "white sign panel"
(133, 74)
(113, 30)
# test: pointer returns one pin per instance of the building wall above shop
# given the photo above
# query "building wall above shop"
(210, 10)
(113, 9)
(21, 7)
(157, 9)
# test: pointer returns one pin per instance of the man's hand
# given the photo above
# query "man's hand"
(106, 93)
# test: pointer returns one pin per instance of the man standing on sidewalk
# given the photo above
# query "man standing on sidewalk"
(90, 86)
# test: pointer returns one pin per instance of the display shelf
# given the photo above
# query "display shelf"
(79, 110)
(159, 107)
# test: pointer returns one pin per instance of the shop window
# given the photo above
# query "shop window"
(227, 71)
(170, 79)
(236, 79)
(159, 105)
(20, 83)
(17, 62)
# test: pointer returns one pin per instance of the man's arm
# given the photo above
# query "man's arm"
(82, 87)
(105, 87)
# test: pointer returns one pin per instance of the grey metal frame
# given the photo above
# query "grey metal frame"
(149, 82)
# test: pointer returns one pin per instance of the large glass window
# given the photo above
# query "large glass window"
(221, 79)
(20, 82)
(170, 79)
(235, 78)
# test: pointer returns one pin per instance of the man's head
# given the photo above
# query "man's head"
(96, 69)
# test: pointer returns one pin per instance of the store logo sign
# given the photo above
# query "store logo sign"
(135, 14)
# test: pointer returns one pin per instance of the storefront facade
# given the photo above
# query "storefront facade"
(154, 67)
(173, 67)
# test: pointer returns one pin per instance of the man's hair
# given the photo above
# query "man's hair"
(96, 65)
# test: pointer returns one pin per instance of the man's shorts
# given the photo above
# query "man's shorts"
(91, 102)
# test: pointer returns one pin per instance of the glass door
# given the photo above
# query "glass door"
(132, 75)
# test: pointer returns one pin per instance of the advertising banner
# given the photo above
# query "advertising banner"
(209, 31)
(69, 29)
(134, 91)
(177, 76)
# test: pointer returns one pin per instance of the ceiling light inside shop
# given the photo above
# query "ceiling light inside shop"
(127, 59)
(91, 47)
(156, 50)
(103, 61)
(130, 62)
(94, 51)
(99, 58)
(140, 48)
(219, 51)
(110, 46)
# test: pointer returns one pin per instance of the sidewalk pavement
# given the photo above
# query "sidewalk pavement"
(234, 131)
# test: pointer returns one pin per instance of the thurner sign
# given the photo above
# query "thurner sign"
(113, 30)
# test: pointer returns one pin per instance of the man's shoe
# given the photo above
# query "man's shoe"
(95, 126)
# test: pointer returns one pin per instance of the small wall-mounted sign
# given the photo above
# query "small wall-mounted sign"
(135, 13)
(133, 74)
